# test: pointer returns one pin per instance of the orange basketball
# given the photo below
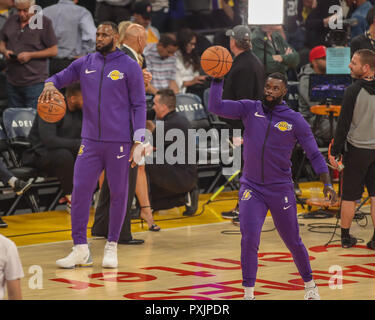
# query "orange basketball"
(216, 61)
(54, 110)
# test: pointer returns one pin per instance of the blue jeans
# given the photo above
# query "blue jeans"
(25, 96)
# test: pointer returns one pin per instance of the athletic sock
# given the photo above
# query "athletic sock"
(12, 181)
(310, 284)
(249, 292)
(345, 233)
(373, 237)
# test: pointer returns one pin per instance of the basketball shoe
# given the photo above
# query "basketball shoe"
(79, 257)
(110, 255)
(311, 293)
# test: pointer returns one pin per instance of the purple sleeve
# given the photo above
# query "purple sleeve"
(306, 139)
(68, 75)
(137, 97)
(227, 108)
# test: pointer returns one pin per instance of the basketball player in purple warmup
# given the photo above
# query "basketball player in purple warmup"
(114, 96)
(271, 131)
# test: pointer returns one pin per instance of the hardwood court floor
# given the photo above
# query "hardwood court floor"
(195, 258)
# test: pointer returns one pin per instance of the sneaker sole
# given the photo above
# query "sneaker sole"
(85, 265)
(24, 189)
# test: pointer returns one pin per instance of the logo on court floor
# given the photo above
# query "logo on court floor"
(246, 195)
(81, 149)
(283, 126)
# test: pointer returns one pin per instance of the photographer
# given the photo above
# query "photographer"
(319, 124)
(355, 139)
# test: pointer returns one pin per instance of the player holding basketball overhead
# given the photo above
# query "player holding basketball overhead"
(271, 130)
(113, 96)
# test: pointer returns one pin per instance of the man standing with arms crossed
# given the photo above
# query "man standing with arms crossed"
(113, 94)
(271, 130)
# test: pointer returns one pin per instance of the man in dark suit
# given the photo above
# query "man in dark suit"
(245, 80)
(133, 45)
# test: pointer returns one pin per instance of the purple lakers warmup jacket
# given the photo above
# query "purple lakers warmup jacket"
(113, 96)
(268, 138)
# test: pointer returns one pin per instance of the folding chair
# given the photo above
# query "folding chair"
(208, 154)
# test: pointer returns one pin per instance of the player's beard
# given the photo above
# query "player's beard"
(271, 104)
(105, 49)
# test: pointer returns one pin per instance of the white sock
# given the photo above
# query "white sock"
(12, 181)
(310, 284)
(249, 292)
(83, 247)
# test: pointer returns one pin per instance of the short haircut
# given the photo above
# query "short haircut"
(111, 24)
(370, 18)
(31, 2)
(168, 98)
(168, 39)
(367, 56)
(279, 76)
(73, 89)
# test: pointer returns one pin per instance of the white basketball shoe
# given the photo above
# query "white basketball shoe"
(110, 255)
(79, 257)
(311, 293)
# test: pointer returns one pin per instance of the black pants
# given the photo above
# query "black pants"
(169, 184)
(59, 163)
(106, 12)
(101, 221)
(56, 65)
(5, 174)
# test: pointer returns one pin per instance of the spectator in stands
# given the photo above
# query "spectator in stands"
(75, 31)
(317, 23)
(295, 34)
(26, 50)
(319, 124)
(270, 46)
(55, 145)
(359, 10)
(142, 15)
(160, 14)
(169, 183)
(366, 40)
(245, 80)
(132, 42)
(11, 270)
(6, 9)
(113, 10)
(304, 9)
(161, 63)
(188, 77)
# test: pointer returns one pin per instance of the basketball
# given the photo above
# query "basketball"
(216, 61)
(54, 110)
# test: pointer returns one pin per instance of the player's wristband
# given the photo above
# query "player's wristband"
(49, 83)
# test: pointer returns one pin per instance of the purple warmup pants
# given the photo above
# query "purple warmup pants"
(255, 200)
(92, 159)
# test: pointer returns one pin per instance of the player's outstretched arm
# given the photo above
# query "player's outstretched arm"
(226, 108)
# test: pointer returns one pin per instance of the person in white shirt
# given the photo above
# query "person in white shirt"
(188, 77)
(11, 270)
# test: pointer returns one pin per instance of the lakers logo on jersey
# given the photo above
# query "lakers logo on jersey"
(81, 149)
(246, 195)
(116, 75)
(283, 126)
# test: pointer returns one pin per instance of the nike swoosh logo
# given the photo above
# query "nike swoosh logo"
(285, 208)
(258, 115)
(91, 71)
(119, 157)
